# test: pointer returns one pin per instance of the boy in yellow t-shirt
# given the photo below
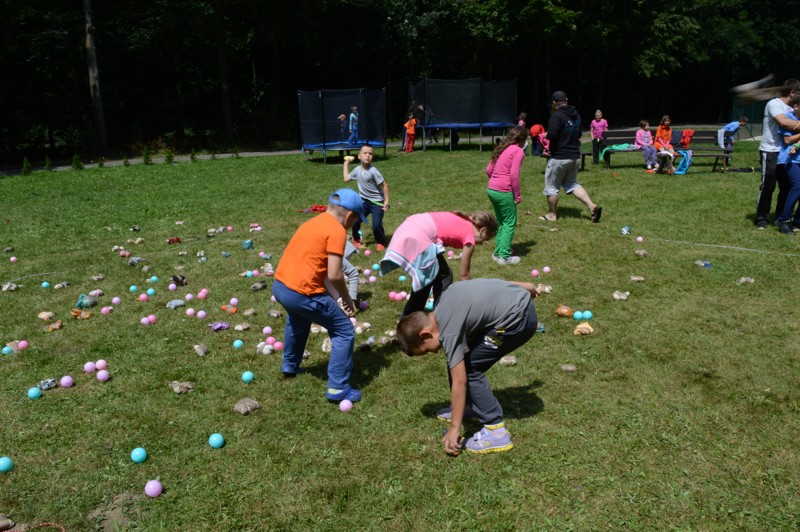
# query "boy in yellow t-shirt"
(312, 258)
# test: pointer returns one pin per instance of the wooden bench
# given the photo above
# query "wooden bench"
(704, 144)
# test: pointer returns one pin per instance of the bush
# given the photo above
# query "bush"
(101, 162)
(146, 156)
(169, 158)
(193, 156)
(76, 162)
(125, 161)
(48, 163)
(26, 166)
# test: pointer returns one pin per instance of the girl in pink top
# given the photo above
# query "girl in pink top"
(598, 126)
(644, 142)
(503, 172)
(418, 245)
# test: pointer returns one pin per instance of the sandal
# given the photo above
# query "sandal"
(598, 210)
(545, 219)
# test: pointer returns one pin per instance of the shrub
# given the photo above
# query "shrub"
(101, 162)
(26, 166)
(48, 163)
(77, 164)
(193, 156)
(169, 158)
(146, 156)
(125, 161)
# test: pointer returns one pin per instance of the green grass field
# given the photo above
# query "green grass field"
(682, 414)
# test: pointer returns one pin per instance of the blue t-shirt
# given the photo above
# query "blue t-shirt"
(353, 120)
(733, 127)
(784, 156)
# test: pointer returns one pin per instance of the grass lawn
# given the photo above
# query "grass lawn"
(683, 411)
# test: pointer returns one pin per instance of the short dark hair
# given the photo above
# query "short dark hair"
(408, 329)
(789, 86)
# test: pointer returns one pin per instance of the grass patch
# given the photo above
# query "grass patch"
(683, 411)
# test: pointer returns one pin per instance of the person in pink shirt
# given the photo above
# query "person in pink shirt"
(644, 142)
(598, 126)
(503, 190)
(418, 245)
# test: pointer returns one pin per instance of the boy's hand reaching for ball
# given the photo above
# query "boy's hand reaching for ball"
(453, 442)
(349, 159)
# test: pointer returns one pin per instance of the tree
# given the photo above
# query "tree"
(94, 81)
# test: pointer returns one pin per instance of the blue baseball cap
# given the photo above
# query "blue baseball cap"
(350, 200)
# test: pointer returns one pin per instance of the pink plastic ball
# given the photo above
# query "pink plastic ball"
(143, 297)
(116, 301)
(23, 345)
(230, 228)
(346, 405)
(363, 305)
(640, 239)
(172, 287)
(267, 330)
(546, 269)
(13, 259)
(234, 301)
(450, 253)
(105, 310)
(144, 321)
(190, 312)
(272, 298)
(534, 273)
(278, 346)
(201, 314)
(66, 381)
(103, 375)
(373, 279)
(366, 272)
(152, 318)
(122, 253)
(153, 488)
(270, 340)
(403, 294)
(261, 254)
(392, 294)
(206, 291)
(101, 364)
(353, 321)
(256, 273)
(188, 297)
(125, 253)
(367, 252)
(201, 295)
(89, 367)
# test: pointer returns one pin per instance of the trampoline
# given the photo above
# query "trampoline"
(469, 104)
(325, 120)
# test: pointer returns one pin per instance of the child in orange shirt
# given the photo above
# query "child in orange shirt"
(411, 132)
(663, 145)
(312, 258)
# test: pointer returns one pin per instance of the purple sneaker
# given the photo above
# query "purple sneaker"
(490, 441)
(348, 393)
(446, 414)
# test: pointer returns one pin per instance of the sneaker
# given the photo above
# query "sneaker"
(446, 414)
(348, 393)
(513, 259)
(489, 440)
(380, 247)
(649, 166)
(785, 228)
(761, 225)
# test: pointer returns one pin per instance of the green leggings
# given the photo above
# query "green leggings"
(505, 210)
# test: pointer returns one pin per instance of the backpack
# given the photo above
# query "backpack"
(685, 163)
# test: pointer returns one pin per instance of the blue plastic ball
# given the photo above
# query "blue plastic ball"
(6, 464)
(237, 344)
(133, 288)
(7, 350)
(248, 274)
(34, 393)
(151, 291)
(402, 278)
(587, 314)
(154, 279)
(578, 315)
(248, 376)
(376, 267)
(45, 285)
(216, 440)
(138, 455)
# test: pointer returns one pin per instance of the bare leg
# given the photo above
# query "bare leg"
(552, 204)
(582, 195)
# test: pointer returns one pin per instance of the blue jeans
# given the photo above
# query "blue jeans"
(353, 139)
(301, 310)
(376, 211)
(793, 173)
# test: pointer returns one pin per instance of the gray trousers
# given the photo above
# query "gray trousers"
(486, 348)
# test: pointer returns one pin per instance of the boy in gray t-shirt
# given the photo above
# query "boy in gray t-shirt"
(477, 322)
(374, 192)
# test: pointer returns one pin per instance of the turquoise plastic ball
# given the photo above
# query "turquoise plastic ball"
(45, 285)
(133, 288)
(34, 393)
(151, 291)
(248, 376)
(6, 464)
(402, 278)
(248, 274)
(154, 279)
(138, 455)
(237, 344)
(578, 315)
(7, 350)
(587, 314)
(216, 440)
(376, 267)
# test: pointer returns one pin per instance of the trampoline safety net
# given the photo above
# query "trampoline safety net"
(466, 103)
(321, 127)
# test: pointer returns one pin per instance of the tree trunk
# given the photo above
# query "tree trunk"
(222, 60)
(94, 81)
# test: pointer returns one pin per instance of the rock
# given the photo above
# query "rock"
(133, 261)
(640, 252)
(620, 296)
(9, 249)
(181, 387)
(316, 329)
(97, 293)
(508, 360)
(201, 349)
(139, 240)
(256, 287)
(242, 327)
(146, 269)
(61, 285)
(390, 333)
(569, 368)
(201, 254)
(268, 270)
(637, 278)
(544, 288)
(306, 354)
(245, 406)
(745, 280)
(275, 314)
(45, 315)
(583, 329)
(10, 287)
(326, 345)
(250, 312)
(175, 303)
(384, 340)
(14, 346)
(98, 277)
(564, 311)
(263, 348)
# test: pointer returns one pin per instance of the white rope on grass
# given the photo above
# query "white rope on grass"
(737, 248)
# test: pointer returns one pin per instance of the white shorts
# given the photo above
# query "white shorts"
(560, 173)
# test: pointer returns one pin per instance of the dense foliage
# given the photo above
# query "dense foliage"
(163, 64)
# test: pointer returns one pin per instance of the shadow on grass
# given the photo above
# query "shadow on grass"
(366, 364)
(518, 402)
(572, 212)
(523, 248)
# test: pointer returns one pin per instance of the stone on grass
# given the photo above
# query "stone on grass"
(181, 387)
(508, 360)
(201, 349)
(245, 406)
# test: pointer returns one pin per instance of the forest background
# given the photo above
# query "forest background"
(111, 78)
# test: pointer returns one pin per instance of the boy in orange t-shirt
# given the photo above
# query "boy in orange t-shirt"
(312, 259)
(411, 132)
